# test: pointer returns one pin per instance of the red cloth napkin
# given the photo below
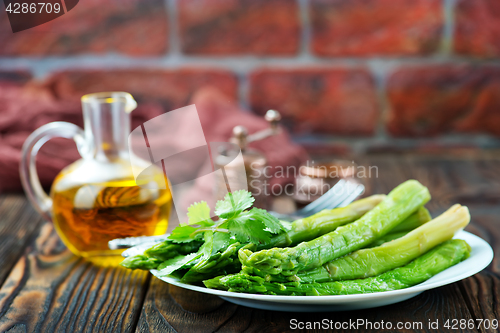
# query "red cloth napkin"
(25, 108)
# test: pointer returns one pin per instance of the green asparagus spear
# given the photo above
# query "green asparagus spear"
(168, 249)
(219, 263)
(421, 269)
(374, 261)
(140, 261)
(397, 206)
(324, 222)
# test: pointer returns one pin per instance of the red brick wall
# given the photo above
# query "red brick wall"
(346, 73)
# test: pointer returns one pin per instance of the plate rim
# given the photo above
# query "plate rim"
(434, 282)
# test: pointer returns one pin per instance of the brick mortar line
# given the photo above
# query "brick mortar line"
(360, 145)
(305, 31)
(244, 91)
(242, 65)
(380, 73)
(174, 46)
(448, 27)
(448, 138)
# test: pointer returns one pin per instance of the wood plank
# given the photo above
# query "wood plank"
(450, 181)
(486, 224)
(473, 184)
(169, 309)
(386, 173)
(482, 292)
(434, 174)
(18, 222)
(50, 289)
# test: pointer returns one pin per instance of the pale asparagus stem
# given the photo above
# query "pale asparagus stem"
(387, 238)
(397, 206)
(370, 262)
(414, 221)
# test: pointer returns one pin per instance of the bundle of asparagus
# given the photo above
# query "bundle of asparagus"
(185, 240)
(374, 244)
(421, 269)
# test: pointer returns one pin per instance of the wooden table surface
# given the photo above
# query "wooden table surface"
(45, 288)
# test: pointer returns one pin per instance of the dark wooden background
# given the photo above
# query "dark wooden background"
(45, 288)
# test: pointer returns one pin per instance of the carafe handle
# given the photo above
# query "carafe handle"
(27, 168)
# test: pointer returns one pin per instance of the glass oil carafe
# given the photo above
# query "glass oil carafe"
(96, 199)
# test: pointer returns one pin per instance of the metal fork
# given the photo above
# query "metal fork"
(340, 195)
(343, 193)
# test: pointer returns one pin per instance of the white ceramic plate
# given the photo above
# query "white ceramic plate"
(480, 258)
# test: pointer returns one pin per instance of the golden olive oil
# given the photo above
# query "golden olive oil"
(88, 216)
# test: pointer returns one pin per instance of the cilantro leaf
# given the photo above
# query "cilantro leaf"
(171, 265)
(254, 226)
(221, 241)
(287, 226)
(247, 229)
(236, 225)
(233, 204)
(199, 213)
(206, 248)
(182, 234)
(214, 241)
(271, 222)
